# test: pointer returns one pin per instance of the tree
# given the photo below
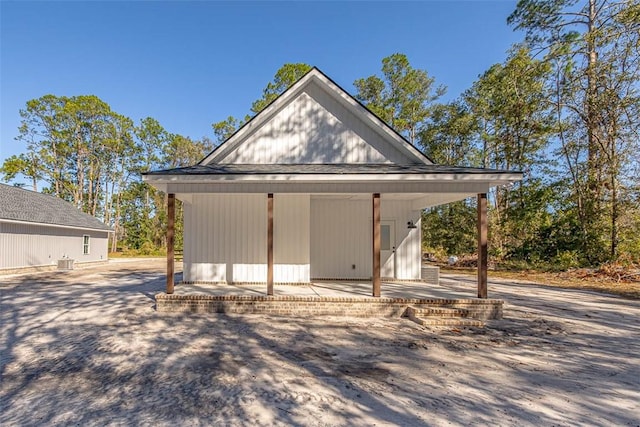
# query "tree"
(592, 46)
(46, 149)
(22, 164)
(183, 151)
(510, 103)
(284, 78)
(402, 97)
(449, 137)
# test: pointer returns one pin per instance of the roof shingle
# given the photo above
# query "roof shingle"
(17, 204)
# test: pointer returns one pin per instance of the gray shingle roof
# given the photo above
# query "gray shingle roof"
(323, 169)
(18, 204)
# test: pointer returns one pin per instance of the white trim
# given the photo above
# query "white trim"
(333, 178)
(88, 244)
(15, 221)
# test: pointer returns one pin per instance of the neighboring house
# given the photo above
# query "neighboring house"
(37, 230)
(315, 186)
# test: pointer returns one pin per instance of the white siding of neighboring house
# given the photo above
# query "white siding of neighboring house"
(314, 128)
(226, 238)
(341, 238)
(32, 245)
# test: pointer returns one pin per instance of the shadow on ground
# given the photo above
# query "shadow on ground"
(88, 347)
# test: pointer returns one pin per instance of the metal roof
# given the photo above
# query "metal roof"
(17, 204)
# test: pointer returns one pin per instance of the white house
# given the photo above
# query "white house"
(37, 230)
(315, 186)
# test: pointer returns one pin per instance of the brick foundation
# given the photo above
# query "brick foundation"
(483, 309)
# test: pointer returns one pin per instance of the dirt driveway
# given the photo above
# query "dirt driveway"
(87, 348)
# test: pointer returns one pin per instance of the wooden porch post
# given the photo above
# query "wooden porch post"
(482, 245)
(376, 245)
(171, 216)
(270, 244)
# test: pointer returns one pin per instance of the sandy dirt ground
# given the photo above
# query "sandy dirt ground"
(87, 348)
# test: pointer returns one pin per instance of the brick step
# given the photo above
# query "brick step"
(439, 312)
(444, 321)
(441, 316)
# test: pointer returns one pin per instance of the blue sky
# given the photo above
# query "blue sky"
(189, 64)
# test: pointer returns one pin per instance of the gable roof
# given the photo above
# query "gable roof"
(29, 206)
(387, 139)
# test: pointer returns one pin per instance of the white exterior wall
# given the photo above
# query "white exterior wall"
(408, 245)
(226, 238)
(341, 237)
(314, 128)
(291, 238)
(31, 245)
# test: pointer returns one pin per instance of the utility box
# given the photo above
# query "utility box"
(65, 264)
(431, 275)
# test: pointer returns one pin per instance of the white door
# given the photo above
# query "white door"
(387, 248)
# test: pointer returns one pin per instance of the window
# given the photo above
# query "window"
(385, 237)
(85, 244)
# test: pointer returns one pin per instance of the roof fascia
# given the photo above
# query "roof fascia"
(430, 177)
(46, 224)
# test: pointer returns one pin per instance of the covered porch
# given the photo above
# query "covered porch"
(380, 233)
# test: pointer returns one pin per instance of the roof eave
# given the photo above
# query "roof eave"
(498, 177)
(47, 224)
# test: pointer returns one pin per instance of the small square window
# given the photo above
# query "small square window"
(385, 237)
(85, 244)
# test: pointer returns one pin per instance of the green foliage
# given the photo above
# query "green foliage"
(91, 156)
(591, 47)
(449, 137)
(23, 164)
(450, 228)
(225, 128)
(285, 77)
(402, 97)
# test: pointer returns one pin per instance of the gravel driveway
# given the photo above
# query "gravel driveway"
(87, 348)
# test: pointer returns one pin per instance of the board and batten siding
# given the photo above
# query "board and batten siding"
(341, 238)
(33, 245)
(314, 128)
(226, 238)
(291, 238)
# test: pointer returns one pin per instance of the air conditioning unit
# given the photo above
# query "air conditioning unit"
(65, 264)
